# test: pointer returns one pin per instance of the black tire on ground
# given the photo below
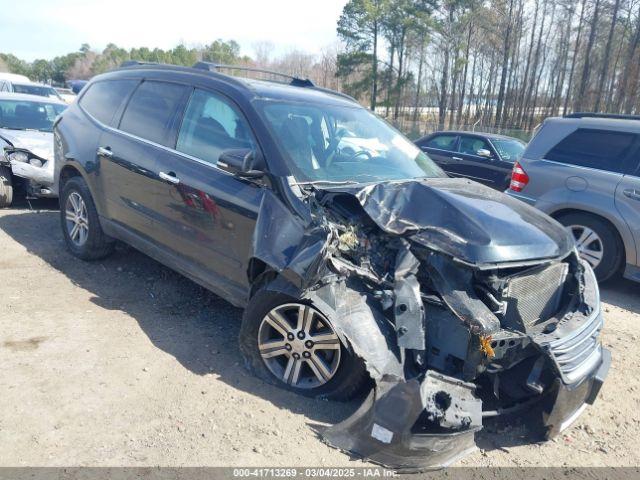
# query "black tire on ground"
(6, 187)
(97, 245)
(350, 379)
(612, 246)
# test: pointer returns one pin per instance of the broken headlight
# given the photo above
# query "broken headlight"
(22, 156)
(18, 157)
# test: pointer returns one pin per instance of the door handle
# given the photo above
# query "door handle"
(456, 158)
(169, 177)
(632, 194)
(105, 152)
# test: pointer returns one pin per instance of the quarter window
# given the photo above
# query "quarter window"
(103, 99)
(210, 126)
(152, 110)
(443, 142)
(604, 150)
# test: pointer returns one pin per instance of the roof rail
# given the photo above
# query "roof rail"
(133, 63)
(618, 116)
(294, 81)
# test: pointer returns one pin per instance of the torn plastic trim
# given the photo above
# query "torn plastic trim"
(357, 319)
(388, 428)
(409, 310)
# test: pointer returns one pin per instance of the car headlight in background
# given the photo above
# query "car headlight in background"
(23, 157)
(18, 157)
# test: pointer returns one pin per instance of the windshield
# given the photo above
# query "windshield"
(328, 143)
(26, 115)
(39, 90)
(509, 149)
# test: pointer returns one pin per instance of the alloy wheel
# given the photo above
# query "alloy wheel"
(77, 219)
(588, 243)
(299, 346)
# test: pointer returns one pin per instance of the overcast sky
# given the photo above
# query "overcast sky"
(33, 29)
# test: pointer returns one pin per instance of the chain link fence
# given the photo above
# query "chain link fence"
(415, 128)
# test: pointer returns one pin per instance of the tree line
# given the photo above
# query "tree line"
(494, 64)
(85, 63)
(498, 63)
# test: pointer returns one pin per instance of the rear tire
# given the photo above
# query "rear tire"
(597, 242)
(348, 377)
(80, 223)
(6, 187)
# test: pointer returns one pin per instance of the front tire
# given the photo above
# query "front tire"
(80, 223)
(6, 187)
(597, 242)
(290, 343)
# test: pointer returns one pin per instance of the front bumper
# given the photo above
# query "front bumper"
(430, 421)
(417, 425)
(41, 179)
(383, 430)
(565, 403)
(42, 175)
(386, 429)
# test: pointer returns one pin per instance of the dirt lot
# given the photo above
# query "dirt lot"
(123, 362)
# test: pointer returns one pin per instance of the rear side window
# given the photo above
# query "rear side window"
(103, 99)
(443, 142)
(600, 149)
(152, 110)
(471, 145)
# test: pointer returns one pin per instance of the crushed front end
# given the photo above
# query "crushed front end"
(463, 304)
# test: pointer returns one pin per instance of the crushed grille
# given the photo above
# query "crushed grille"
(576, 353)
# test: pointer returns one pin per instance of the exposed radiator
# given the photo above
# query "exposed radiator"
(534, 296)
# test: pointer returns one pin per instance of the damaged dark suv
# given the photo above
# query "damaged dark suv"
(359, 263)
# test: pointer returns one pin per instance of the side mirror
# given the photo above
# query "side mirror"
(483, 152)
(240, 162)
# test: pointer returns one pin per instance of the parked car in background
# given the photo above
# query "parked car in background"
(584, 170)
(483, 157)
(26, 145)
(6, 80)
(66, 94)
(356, 259)
(30, 88)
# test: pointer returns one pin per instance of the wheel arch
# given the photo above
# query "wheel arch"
(70, 170)
(259, 274)
(556, 215)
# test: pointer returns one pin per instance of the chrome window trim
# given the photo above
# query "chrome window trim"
(441, 149)
(154, 144)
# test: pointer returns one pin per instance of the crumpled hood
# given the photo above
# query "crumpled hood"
(38, 143)
(464, 219)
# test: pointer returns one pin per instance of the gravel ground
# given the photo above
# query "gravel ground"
(124, 362)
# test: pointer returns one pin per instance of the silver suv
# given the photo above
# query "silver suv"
(584, 170)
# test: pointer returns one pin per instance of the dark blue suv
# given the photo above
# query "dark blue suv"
(357, 260)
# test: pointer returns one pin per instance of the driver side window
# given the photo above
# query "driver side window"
(210, 126)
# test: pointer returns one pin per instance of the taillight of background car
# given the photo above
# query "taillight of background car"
(519, 178)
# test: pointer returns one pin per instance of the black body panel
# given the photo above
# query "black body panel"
(466, 220)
